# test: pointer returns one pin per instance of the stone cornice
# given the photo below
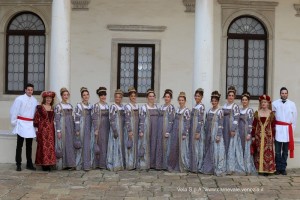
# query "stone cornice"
(25, 2)
(262, 5)
(138, 28)
(297, 8)
(189, 5)
(80, 4)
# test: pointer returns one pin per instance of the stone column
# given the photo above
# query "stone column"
(203, 58)
(60, 45)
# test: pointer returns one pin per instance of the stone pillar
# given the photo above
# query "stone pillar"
(203, 54)
(60, 45)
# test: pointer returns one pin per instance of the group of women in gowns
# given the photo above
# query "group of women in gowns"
(127, 137)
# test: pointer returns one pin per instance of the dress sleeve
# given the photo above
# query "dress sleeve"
(200, 119)
(186, 122)
(171, 117)
(57, 115)
(273, 124)
(128, 118)
(37, 117)
(78, 114)
(143, 114)
(113, 117)
(14, 111)
(220, 116)
(254, 124)
(236, 116)
(95, 116)
(250, 120)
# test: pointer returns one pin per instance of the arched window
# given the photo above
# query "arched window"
(247, 56)
(25, 53)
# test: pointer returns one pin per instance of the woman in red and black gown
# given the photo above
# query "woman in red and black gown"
(44, 123)
(263, 132)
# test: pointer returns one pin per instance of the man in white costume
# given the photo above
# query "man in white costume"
(286, 117)
(21, 115)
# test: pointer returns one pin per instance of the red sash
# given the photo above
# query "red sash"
(291, 136)
(24, 118)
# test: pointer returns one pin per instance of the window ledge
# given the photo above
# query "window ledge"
(138, 28)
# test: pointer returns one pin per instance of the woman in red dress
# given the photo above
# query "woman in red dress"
(44, 123)
(263, 132)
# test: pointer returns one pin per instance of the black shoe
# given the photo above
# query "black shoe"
(31, 168)
(19, 168)
(277, 172)
(284, 172)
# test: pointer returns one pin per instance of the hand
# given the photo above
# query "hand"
(96, 133)
(217, 139)
(197, 136)
(248, 137)
(59, 135)
(167, 135)
(130, 134)
(232, 133)
(183, 137)
(116, 135)
(77, 133)
(141, 134)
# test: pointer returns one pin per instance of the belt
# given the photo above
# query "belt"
(24, 118)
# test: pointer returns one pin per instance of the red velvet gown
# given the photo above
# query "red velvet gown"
(263, 130)
(45, 152)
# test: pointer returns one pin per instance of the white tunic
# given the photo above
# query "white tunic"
(285, 112)
(23, 106)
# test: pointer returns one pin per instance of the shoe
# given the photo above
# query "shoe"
(19, 168)
(277, 172)
(284, 172)
(31, 168)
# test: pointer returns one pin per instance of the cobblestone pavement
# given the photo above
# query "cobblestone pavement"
(139, 185)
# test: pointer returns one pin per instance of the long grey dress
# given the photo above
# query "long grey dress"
(197, 146)
(116, 147)
(233, 145)
(179, 147)
(100, 116)
(131, 125)
(165, 124)
(83, 125)
(245, 128)
(214, 161)
(64, 123)
(148, 142)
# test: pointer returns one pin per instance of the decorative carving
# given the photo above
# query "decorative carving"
(297, 8)
(190, 5)
(80, 4)
(140, 28)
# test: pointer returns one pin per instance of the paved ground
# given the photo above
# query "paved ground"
(150, 185)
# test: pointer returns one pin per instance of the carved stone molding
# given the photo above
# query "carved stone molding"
(262, 5)
(297, 8)
(139, 28)
(80, 4)
(25, 2)
(189, 5)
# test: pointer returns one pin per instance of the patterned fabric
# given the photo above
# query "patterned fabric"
(179, 147)
(45, 152)
(245, 128)
(214, 161)
(148, 142)
(64, 123)
(264, 131)
(131, 125)
(83, 125)
(197, 146)
(100, 118)
(116, 147)
(235, 158)
(165, 124)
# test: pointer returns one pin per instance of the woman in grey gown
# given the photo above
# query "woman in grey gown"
(197, 134)
(101, 126)
(83, 129)
(214, 161)
(131, 130)
(232, 139)
(116, 147)
(64, 137)
(148, 133)
(179, 144)
(165, 124)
